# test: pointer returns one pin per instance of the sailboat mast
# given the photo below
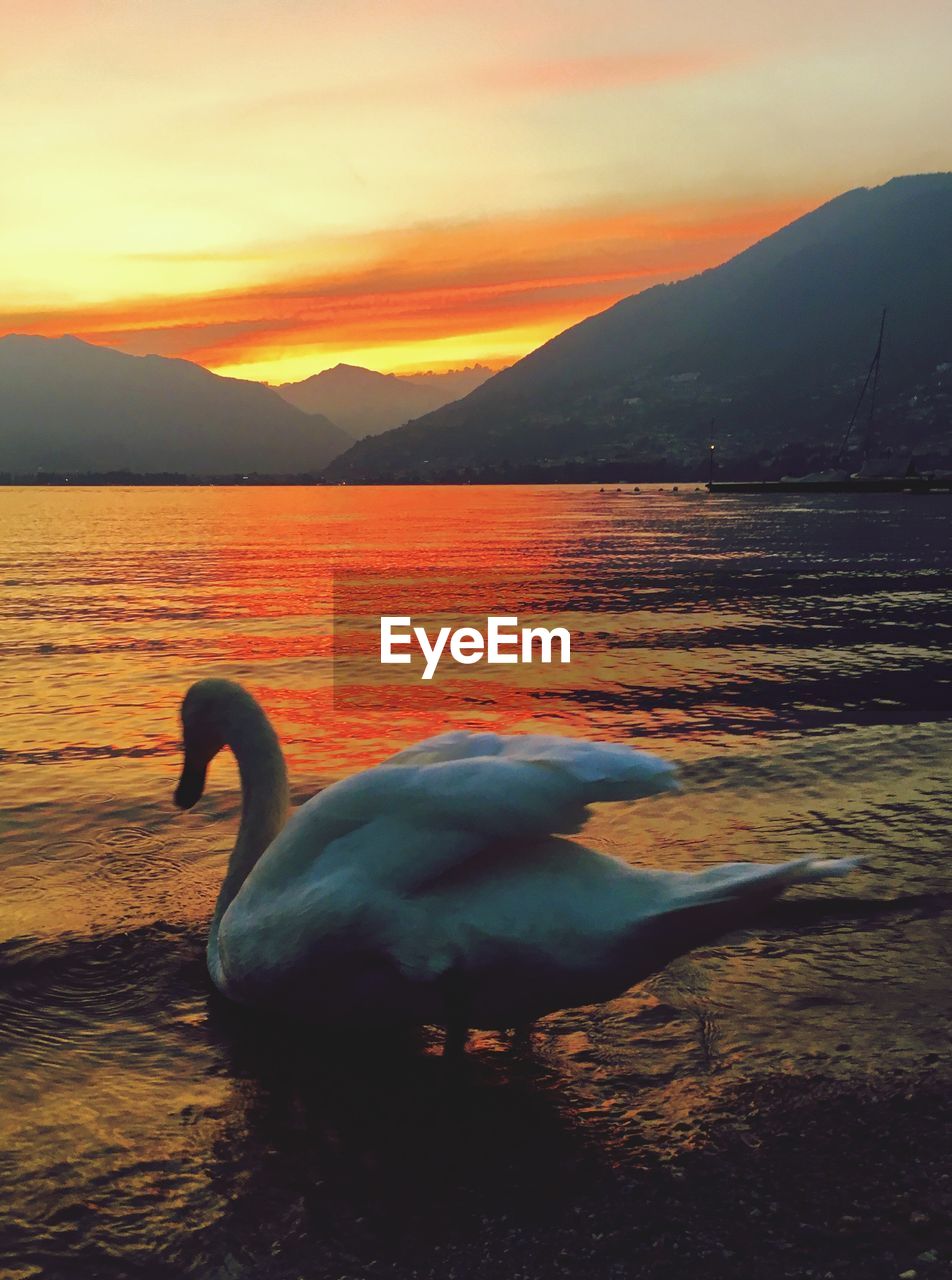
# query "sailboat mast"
(872, 372)
(872, 396)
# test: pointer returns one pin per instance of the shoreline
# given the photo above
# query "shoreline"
(839, 1181)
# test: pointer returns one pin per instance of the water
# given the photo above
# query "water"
(792, 654)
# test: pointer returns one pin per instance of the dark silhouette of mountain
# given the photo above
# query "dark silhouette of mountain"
(366, 403)
(66, 405)
(772, 346)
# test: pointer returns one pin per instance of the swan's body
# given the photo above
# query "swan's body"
(432, 888)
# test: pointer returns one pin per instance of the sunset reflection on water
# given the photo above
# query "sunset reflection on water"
(791, 655)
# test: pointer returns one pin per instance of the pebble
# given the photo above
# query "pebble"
(908, 1275)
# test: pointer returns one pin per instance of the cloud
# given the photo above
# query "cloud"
(421, 285)
(555, 76)
(603, 71)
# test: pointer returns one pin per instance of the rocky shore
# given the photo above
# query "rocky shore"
(809, 1179)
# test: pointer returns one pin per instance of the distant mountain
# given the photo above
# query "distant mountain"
(366, 403)
(772, 347)
(452, 383)
(66, 405)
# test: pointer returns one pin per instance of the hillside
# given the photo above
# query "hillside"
(66, 405)
(771, 347)
(366, 403)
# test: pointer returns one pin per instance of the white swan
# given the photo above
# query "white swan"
(431, 889)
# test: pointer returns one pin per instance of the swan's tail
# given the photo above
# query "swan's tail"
(805, 870)
(704, 905)
(746, 881)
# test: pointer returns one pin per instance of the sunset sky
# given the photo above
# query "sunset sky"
(271, 188)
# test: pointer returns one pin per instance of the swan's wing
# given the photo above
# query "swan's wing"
(585, 761)
(432, 807)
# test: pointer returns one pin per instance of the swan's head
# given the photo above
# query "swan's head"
(207, 712)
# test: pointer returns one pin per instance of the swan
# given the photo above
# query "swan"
(438, 886)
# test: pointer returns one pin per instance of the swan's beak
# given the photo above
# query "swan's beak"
(191, 783)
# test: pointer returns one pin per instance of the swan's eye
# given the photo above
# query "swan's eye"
(203, 741)
(203, 737)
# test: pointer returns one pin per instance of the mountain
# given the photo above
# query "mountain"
(772, 347)
(453, 383)
(366, 403)
(66, 405)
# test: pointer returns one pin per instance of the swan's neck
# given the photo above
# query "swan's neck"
(264, 801)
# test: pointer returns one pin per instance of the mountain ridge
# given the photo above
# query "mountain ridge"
(769, 344)
(71, 405)
(366, 403)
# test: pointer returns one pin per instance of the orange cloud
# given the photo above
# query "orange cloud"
(557, 76)
(403, 293)
(604, 71)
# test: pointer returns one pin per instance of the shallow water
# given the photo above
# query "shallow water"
(791, 653)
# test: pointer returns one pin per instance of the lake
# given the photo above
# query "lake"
(791, 653)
